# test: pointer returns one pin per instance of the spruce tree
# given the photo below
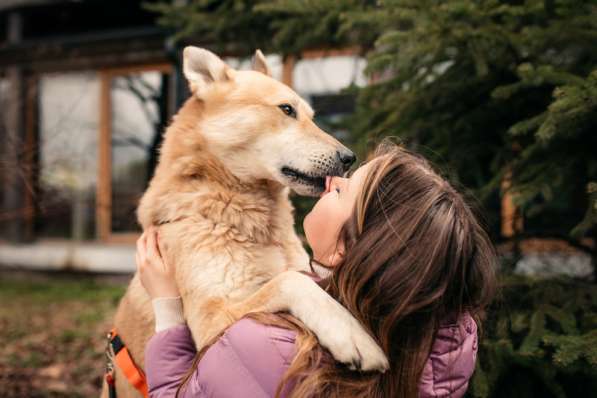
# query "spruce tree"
(285, 27)
(487, 87)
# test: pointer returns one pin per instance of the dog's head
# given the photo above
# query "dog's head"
(260, 128)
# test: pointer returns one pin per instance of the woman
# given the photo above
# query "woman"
(408, 259)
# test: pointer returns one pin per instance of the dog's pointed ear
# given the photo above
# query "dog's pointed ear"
(260, 64)
(203, 68)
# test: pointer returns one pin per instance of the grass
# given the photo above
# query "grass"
(52, 330)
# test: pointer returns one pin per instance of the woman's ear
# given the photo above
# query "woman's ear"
(337, 255)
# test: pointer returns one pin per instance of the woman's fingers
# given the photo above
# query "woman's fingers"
(149, 250)
(162, 249)
(158, 244)
(141, 250)
(152, 252)
(139, 243)
(155, 275)
(138, 261)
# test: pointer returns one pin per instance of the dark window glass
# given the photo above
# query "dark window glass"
(138, 117)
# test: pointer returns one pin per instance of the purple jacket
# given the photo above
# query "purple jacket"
(250, 359)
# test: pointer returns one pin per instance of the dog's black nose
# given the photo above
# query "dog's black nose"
(347, 158)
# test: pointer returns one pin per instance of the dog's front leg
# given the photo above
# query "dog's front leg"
(334, 326)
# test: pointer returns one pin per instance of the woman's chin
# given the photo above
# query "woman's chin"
(306, 226)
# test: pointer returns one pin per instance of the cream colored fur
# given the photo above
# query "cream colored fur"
(222, 204)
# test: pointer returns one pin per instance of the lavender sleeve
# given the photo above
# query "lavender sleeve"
(168, 356)
(248, 360)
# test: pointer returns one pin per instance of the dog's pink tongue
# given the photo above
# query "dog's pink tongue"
(328, 180)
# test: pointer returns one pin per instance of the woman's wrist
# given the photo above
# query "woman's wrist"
(168, 312)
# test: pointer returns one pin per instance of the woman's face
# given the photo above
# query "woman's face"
(322, 225)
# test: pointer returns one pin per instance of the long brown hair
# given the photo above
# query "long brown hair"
(415, 257)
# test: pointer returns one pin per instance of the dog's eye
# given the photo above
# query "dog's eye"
(288, 110)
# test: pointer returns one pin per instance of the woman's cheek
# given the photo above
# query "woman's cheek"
(314, 226)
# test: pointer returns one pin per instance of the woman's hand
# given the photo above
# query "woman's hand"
(157, 276)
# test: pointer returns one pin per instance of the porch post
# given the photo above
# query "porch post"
(12, 206)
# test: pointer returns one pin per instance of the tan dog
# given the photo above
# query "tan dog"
(220, 197)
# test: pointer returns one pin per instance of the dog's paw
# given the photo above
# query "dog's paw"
(335, 327)
(349, 343)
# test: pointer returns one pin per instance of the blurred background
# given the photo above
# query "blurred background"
(500, 94)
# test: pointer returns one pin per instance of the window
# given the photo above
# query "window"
(135, 104)
(321, 81)
(68, 125)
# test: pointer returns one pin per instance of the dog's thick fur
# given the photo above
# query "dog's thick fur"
(220, 197)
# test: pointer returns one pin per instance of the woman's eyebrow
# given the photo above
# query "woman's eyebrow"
(347, 175)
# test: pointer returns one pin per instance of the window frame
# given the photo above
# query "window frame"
(103, 212)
